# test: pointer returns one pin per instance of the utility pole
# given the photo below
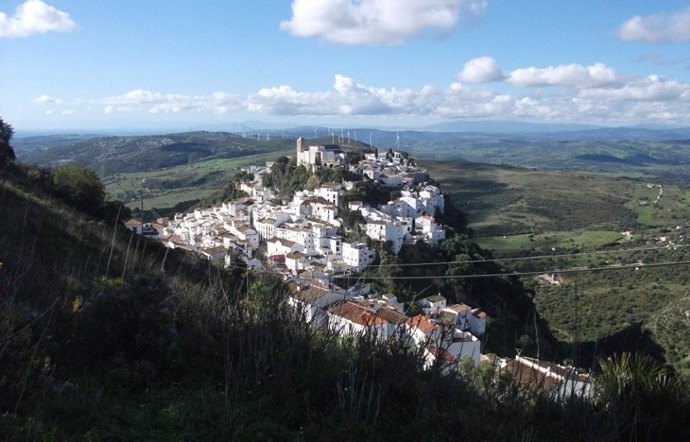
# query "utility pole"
(143, 180)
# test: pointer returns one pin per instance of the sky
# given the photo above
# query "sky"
(169, 64)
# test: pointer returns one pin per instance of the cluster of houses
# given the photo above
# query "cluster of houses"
(300, 240)
(302, 234)
(447, 333)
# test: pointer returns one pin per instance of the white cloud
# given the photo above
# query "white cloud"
(346, 98)
(35, 17)
(377, 22)
(652, 88)
(649, 99)
(480, 70)
(68, 112)
(573, 75)
(47, 99)
(156, 102)
(668, 27)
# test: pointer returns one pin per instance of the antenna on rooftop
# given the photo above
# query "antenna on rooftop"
(397, 140)
(348, 137)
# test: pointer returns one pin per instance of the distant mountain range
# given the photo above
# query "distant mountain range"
(506, 126)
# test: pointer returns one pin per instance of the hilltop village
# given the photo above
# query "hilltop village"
(308, 243)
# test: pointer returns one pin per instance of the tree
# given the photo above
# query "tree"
(79, 186)
(645, 397)
(6, 151)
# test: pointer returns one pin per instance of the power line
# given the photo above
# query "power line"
(533, 273)
(535, 257)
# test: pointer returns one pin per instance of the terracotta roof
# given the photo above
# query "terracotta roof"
(530, 377)
(559, 370)
(393, 316)
(310, 294)
(422, 323)
(357, 313)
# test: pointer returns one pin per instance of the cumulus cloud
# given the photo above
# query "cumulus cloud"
(573, 75)
(35, 17)
(346, 98)
(651, 88)
(648, 99)
(377, 22)
(656, 28)
(480, 70)
(47, 99)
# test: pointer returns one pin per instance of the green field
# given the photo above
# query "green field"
(503, 201)
(668, 209)
(545, 242)
(523, 212)
(165, 188)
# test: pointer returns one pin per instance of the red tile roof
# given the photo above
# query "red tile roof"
(422, 323)
(357, 313)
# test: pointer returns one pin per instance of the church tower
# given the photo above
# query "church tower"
(300, 146)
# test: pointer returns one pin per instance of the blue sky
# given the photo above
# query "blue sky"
(152, 64)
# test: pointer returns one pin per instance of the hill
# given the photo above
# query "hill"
(165, 170)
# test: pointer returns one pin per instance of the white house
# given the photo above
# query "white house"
(310, 300)
(331, 192)
(477, 321)
(443, 340)
(355, 318)
(295, 261)
(433, 304)
(280, 246)
(432, 232)
(357, 255)
(386, 231)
